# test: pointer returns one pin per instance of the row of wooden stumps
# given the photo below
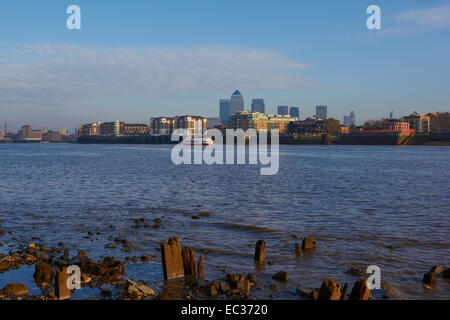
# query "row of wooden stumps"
(330, 290)
(179, 263)
(260, 250)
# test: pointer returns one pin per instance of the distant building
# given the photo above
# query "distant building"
(258, 106)
(26, 132)
(236, 103)
(166, 126)
(283, 110)
(130, 129)
(195, 125)
(439, 122)
(350, 121)
(294, 112)
(89, 130)
(111, 128)
(418, 122)
(248, 120)
(344, 130)
(6, 129)
(256, 120)
(162, 125)
(52, 136)
(2, 135)
(224, 112)
(213, 122)
(322, 112)
(63, 131)
(397, 125)
(309, 126)
(44, 130)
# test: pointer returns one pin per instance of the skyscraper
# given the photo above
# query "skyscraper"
(6, 129)
(294, 112)
(224, 105)
(321, 112)
(258, 105)
(350, 121)
(237, 102)
(283, 110)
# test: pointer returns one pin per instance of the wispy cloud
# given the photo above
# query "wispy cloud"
(429, 18)
(67, 75)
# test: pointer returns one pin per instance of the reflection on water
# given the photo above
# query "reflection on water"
(354, 201)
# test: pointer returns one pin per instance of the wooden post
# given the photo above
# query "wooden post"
(298, 252)
(330, 290)
(260, 251)
(200, 269)
(189, 262)
(360, 291)
(171, 259)
(62, 291)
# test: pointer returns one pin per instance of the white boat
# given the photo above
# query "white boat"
(200, 141)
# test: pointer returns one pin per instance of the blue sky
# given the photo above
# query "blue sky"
(136, 59)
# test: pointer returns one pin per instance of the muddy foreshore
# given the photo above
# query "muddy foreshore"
(109, 275)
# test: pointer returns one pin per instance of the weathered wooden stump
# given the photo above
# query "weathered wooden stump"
(62, 290)
(171, 259)
(200, 269)
(189, 262)
(260, 251)
(298, 252)
(360, 291)
(308, 243)
(330, 290)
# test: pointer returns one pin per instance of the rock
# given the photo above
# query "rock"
(82, 255)
(157, 220)
(212, 291)
(111, 246)
(280, 276)
(330, 290)
(355, 272)
(66, 252)
(43, 273)
(252, 278)
(204, 214)
(195, 217)
(14, 290)
(308, 244)
(189, 262)
(200, 268)
(394, 246)
(360, 291)
(109, 270)
(135, 289)
(273, 287)
(201, 283)
(298, 252)
(429, 278)
(260, 251)
(61, 289)
(437, 269)
(146, 258)
(172, 260)
(224, 287)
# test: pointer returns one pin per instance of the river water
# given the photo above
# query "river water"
(355, 201)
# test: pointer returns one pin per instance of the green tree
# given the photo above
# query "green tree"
(332, 126)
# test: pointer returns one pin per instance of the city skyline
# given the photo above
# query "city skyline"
(296, 54)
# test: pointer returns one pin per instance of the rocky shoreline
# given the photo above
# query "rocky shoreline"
(184, 276)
